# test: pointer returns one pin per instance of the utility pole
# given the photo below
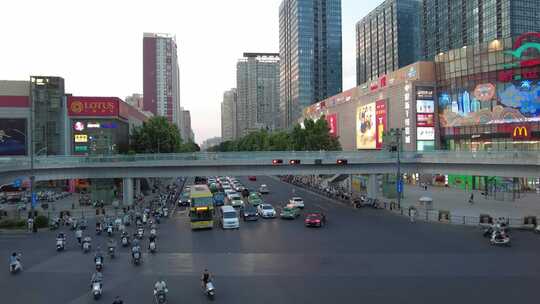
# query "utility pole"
(31, 150)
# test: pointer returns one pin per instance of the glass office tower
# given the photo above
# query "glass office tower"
(450, 25)
(387, 39)
(310, 54)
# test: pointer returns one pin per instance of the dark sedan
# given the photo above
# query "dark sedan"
(249, 213)
(315, 219)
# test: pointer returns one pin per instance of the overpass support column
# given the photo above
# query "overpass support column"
(137, 186)
(127, 190)
(372, 186)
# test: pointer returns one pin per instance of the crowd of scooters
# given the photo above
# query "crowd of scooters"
(149, 217)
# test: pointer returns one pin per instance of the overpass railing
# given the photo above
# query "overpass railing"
(532, 158)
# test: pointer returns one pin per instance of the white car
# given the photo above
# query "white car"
(297, 201)
(229, 192)
(266, 211)
(263, 189)
(236, 201)
(229, 218)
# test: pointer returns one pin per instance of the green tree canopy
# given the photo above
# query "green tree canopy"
(312, 136)
(157, 135)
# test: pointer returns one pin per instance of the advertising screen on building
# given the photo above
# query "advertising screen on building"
(425, 106)
(366, 129)
(332, 124)
(510, 94)
(380, 117)
(425, 133)
(13, 137)
(424, 93)
(425, 120)
(92, 106)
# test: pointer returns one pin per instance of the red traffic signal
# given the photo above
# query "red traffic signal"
(294, 162)
(277, 161)
(342, 162)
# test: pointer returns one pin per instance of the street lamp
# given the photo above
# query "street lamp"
(396, 146)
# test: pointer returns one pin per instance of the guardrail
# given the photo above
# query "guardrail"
(532, 158)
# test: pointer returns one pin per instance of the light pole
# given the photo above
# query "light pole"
(397, 133)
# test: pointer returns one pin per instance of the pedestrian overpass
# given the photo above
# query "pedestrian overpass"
(507, 164)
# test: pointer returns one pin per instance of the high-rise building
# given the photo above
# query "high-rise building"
(387, 39)
(450, 25)
(228, 115)
(49, 112)
(135, 100)
(257, 80)
(310, 54)
(161, 77)
(210, 142)
(186, 132)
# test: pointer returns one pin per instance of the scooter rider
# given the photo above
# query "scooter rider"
(14, 260)
(160, 286)
(98, 255)
(135, 248)
(97, 277)
(206, 277)
(78, 235)
(111, 243)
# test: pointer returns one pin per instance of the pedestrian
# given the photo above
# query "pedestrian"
(30, 224)
(471, 199)
(412, 214)
(425, 187)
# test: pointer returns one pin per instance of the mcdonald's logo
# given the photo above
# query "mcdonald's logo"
(520, 132)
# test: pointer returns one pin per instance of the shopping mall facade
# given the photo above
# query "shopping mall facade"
(484, 97)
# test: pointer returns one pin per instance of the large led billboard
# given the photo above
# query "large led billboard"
(13, 137)
(366, 127)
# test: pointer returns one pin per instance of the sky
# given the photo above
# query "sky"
(96, 46)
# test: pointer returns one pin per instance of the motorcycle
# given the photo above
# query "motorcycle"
(125, 241)
(112, 251)
(99, 263)
(136, 258)
(153, 232)
(96, 290)
(165, 212)
(209, 290)
(86, 245)
(160, 296)
(502, 240)
(99, 229)
(55, 224)
(110, 230)
(60, 245)
(152, 247)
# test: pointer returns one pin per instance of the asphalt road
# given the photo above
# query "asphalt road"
(367, 256)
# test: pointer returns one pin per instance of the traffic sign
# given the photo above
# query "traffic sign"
(400, 186)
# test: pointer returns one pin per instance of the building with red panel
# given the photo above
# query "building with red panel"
(161, 79)
(101, 125)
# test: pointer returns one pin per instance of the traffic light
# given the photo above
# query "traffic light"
(294, 162)
(342, 162)
(277, 161)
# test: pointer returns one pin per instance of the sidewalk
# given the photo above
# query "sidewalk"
(457, 202)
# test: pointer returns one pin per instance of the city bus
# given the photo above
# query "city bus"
(201, 207)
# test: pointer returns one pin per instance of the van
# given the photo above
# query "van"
(229, 218)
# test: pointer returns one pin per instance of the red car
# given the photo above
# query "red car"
(315, 219)
(252, 178)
